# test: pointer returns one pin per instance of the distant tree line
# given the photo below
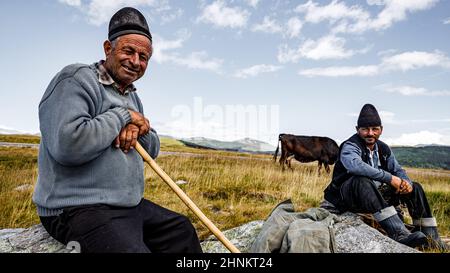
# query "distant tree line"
(432, 157)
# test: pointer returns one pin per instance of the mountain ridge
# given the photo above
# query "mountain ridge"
(239, 145)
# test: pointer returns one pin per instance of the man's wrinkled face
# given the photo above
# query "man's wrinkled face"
(127, 58)
(370, 134)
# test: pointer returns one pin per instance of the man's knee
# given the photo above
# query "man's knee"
(362, 180)
(358, 184)
(417, 186)
(184, 237)
(186, 225)
(360, 194)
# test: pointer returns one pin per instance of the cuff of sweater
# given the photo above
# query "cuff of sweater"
(151, 143)
(123, 114)
(387, 177)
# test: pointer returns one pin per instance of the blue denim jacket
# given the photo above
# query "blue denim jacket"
(352, 161)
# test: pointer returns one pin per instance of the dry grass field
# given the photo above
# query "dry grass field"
(230, 188)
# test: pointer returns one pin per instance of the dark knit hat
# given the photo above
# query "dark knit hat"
(369, 116)
(128, 21)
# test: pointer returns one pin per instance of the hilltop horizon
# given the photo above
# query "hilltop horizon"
(11, 131)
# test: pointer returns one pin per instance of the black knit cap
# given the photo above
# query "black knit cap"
(369, 116)
(128, 21)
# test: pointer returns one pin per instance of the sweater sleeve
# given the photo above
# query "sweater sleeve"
(396, 169)
(150, 142)
(351, 159)
(73, 134)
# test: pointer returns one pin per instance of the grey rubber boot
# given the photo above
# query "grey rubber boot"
(428, 226)
(396, 230)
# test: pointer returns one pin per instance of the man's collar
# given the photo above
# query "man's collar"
(375, 147)
(106, 79)
(363, 143)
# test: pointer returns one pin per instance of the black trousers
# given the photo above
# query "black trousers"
(144, 228)
(360, 195)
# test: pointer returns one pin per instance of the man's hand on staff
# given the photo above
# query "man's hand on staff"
(140, 121)
(128, 136)
(402, 186)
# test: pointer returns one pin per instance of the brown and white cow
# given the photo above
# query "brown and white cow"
(307, 149)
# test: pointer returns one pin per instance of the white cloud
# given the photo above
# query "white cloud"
(286, 54)
(163, 53)
(268, 25)
(219, 14)
(327, 47)
(161, 46)
(387, 117)
(294, 26)
(396, 10)
(171, 16)
(341, 71)
(387, 52)
(332, 12)
(356, 19)
(375, 2)
(415, 59)
(290, 30)
(252, 3)
(255, 70)
(400, 62)
(74, 3)
(446, 21)
(199, 60)
(99, 12)
(407, 90)
(422, 137)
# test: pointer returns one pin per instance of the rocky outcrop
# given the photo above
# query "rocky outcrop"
(242, 237)
(31, 240)
(355, 236)
(352, 235)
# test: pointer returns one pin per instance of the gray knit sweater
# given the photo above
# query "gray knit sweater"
(78, 165)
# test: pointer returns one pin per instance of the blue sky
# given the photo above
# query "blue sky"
(230, 69)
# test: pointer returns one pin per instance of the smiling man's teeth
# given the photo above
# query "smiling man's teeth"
(126, 68)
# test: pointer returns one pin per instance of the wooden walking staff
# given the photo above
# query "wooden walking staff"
(219, 235)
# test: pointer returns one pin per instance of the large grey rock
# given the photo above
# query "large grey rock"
(352, 235)
(31, 240)
(242, 237)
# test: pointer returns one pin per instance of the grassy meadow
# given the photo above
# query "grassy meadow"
(230, 188)
(30, 139)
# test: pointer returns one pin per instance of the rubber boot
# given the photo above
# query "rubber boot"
(396, 230)
(428, 226)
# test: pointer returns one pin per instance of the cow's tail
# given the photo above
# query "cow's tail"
(278, 147)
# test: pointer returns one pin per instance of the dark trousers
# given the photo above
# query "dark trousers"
(360, 195)
(144, 228)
